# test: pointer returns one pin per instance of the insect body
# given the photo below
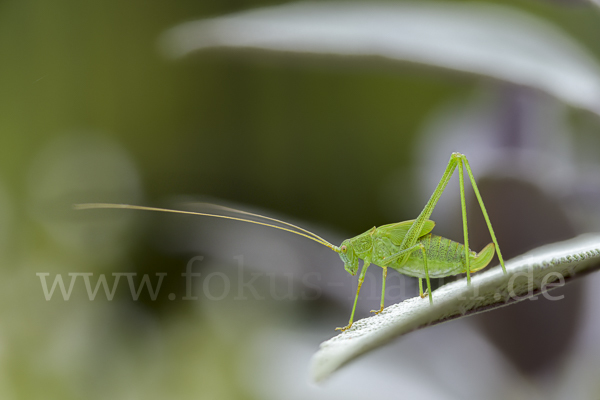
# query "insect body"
(408, 247)
(434, 256)
(397, 245)
(444, 258)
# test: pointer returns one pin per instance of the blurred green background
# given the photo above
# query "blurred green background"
(90, 111)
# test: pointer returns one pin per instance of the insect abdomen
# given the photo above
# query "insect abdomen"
(444, 258)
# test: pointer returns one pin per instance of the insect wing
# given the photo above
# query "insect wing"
(398, 230)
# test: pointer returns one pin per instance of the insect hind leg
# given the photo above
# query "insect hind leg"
(483, 210)
(464, 212)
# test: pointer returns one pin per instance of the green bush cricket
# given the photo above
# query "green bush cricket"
(408, 246)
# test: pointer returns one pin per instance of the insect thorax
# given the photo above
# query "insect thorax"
(362, 243)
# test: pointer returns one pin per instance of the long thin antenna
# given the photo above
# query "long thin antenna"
(219, 207)
(308, 234)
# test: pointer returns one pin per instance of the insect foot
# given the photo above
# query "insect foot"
(424, 295)
(377, 311)
(344, 328)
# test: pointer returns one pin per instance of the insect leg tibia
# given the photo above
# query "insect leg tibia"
(480, 260)
(485, 214)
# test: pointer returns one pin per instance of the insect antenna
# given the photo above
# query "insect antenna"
(305, 233)
(219, 207)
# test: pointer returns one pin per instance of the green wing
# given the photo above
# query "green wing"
(398, 230)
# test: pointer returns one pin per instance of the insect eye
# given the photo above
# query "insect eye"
(344, 249)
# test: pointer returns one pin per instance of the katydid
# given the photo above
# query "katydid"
(408, 247)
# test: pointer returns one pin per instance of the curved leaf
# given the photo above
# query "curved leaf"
(482, 39)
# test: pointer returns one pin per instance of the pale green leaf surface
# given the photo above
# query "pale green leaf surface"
(489, 290)
(483, 39)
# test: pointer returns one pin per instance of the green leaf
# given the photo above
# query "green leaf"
(533, 273)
